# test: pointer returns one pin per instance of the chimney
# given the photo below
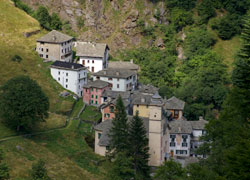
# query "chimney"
(54, 37)
(131, 61)
(117, 73)
(143, 100)
(200, 118)
(72, 66)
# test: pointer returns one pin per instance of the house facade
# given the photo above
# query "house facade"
(121, 79)
(55, 46)
(94, 56)
(175, 106)
(71, 76)
(92, 92)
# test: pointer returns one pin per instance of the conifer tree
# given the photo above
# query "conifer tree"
(138, 148)
(119, 131)
(39, 171)
(241, 72)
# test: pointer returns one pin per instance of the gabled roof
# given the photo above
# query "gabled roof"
(96, 84)
(180, 127)
(115, 94)
(115, 73)
(142, 99)
(175, 103)
(54, 37)
(88, 49)
(199, 125)
(148, 89)
(106, 125)
(67, 65)
(123, 65)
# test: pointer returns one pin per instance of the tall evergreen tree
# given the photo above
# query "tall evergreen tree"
(4, 169)
(119, 131)
(138, 148)
(42, 15)
(56, 22)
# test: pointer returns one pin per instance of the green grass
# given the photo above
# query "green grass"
(91, 113)
(227, 49)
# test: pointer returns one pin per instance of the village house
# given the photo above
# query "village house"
(175, 106)
(92, 92)
(121, 79)
(71, 76)
(94, 56)
(55, 46)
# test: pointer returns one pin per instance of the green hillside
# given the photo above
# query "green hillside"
(65, 151)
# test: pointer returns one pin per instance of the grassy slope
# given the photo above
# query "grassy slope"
(65, 151)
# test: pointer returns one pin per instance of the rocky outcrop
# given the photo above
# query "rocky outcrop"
(112, 21)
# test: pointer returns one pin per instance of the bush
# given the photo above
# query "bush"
(183, 4)
(228, 26)
(17, 58)
(42, 15)
(56, 22)
(181, 18)
(206, 10)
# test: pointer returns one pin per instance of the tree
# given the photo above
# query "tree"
(4, 169)
(119, 131)
(196, 171)
(22, 103)
(206, 10)
(39, 171)
(42, 15)
(138, 148)
(55, 22)
(170, 170)
(122, 167)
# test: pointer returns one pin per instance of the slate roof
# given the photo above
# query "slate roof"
(106, 125)
(142, 99)
(115, 94)
(54, 37)
(67, 65)
(198, 125)
(180, 127)
(148, 89)
(123, 65)
(96, 84)
(115, 73)
(89, 49)
(175, 103)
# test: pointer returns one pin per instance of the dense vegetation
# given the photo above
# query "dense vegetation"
(23, 103)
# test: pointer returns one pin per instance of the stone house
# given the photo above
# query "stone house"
(92, 92)
(121, 79)
(175, 106)
(71, 76)
(94, 56)
(55, 46)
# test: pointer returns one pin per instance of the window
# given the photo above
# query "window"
(58, 72)
(58, 79)
(111, 109)
(47, 56)
(47, 50)
(172, 144)
(93, 69)
(96, 96)
(118, 86)
(42, 42)
(110, 79)
(66, 74)
(184, 144)
(176, 113)
(41, 55)
(96, 102)
(83, 62)
(99, 135)
(66, 80)
(137, 105)
(79, 76)
(92, 101)
(66, 86)
(42, 49)
(86, 90)
(118, 79)
(92, 89)
(93, 61)
(96, 90)
(88, 61)
(92, 96)
(97, 77)
(62, 50)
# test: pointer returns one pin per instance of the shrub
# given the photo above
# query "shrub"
(17, 58)
(206, 10)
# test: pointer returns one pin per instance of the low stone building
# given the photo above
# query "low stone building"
(92, 92)
(175, 106)
(121, 79)
(94, 56)
(71, 76)
(55, 46)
